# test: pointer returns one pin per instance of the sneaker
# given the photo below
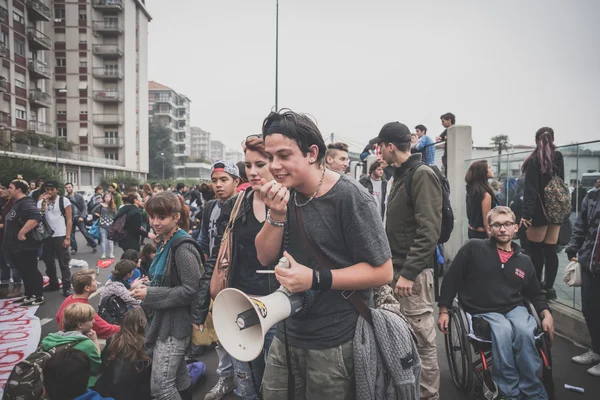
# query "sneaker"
(223, 386)
(67, 292)
(15, 291)
(33, 301)
(20, 300)
(52, 287)
(594, 371)
(103, 257)
(38, 301)
(94, 250)
(589, 358)
(550, 294)
(112, 257)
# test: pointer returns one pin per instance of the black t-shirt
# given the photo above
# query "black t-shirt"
(474, 210)
(21, 211)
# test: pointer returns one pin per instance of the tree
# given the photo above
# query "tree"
(31, 170)
(500, 143)
(159, 137)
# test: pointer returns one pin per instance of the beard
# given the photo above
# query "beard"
(504, 239)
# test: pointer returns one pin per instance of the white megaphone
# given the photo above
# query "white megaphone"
(241, 322)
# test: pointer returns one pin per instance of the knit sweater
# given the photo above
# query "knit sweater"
(171, 304)
(386, 359)
(119, 290)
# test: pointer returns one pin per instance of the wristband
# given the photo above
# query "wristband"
(443, 312)
(274, 222)
(322, 279)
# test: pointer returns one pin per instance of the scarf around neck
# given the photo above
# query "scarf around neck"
(159, 264)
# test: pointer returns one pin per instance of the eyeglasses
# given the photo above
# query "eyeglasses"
(506, 225)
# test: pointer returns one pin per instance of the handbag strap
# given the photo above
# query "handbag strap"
(236, 209)
(351, 295)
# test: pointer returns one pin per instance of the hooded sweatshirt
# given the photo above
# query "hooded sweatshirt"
(91, 395)
(84, 344)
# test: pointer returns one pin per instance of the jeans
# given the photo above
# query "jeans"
(225, 368)
(84, 231)
(590, 305)
(515, 360)
(7, 266)
(248, 376)
(53, 248)
(26, 262)
(105, 243)
(169, 372)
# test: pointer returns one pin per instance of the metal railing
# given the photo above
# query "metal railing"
(40, 127)
(108, 4)
(51, 154)
(4, 51)
(108, 95)
(102, 141)
(40, 8)
(39, 37)
(36, 95)
(39, 67)
(3, 84)
(5, 119)
(108, 119)
(107, 49)
(107, 26)
(107, 73)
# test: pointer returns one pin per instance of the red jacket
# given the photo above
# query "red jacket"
(103, 329)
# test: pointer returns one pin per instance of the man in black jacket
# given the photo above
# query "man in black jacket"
(79, 215)
(493, 277)
(376, 184)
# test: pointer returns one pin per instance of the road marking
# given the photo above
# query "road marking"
(97, 292)
(44, 321)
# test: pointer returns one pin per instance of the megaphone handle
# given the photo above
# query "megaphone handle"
(284, 263)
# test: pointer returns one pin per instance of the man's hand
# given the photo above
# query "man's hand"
(66, 242)
(21, 236)
(548, 324)
(298, 278)
(404, 287)
(276, 197)
(443, 320)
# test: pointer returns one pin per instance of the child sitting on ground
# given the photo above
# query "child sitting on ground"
(78, 320)
(131, 255)
(66, 376)
(119, 285)
(146, 257)
(84, 285)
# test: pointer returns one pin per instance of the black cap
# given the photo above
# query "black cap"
(51, 185)
(392, 132)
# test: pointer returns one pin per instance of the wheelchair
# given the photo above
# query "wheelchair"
(470, 355)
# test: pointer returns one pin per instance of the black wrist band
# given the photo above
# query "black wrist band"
(326, 279)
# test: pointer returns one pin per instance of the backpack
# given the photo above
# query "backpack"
(447, 213)
(117, 230)
(557, 201)
(112, 309)
(25, 381)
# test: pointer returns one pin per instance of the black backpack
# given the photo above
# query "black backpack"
(112, 309)
(447, 213)
(117, 230)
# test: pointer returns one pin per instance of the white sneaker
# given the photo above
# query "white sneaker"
(223, 386)
(589, 358)
(595, 371)
(103, 257)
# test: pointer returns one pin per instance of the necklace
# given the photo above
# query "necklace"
(164, 240)
(314, 194)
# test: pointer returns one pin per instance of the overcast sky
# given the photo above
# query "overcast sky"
(503, 67)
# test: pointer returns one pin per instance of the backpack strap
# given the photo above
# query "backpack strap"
(188, 239)
(61, 205)
(409, 178)
(351, 295)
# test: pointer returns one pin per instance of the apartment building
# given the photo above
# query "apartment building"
(217, 150)
(172, 110)
(87, 83)
(234, 156)
(200, 143)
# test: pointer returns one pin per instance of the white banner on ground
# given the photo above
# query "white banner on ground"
(20, 332)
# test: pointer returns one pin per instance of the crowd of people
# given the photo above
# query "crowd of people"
(343, 238)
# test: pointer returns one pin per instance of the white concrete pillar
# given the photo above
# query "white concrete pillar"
(460, 144)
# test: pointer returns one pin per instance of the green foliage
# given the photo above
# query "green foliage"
(500, 142)
(48, 142)
(159, 137)
(31, 170)
(125, 179)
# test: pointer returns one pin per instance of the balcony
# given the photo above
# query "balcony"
(109, 74)
(5, 119)
(38, 40)
(4, 51)
(39, 98)
(168, 112)
(38, 11)
(3, 15)
(108, 96)
(40, 127)
(3, 84)
(107, 28)
(180, 154)
(38, 70)
(108, 5)
(108, 119)
(107, 50)
(108, 142)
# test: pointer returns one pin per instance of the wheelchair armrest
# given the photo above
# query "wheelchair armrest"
(534, 313)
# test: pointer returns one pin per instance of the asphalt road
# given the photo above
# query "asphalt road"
(565, 372)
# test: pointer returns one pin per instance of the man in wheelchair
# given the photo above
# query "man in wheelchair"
(494, 278)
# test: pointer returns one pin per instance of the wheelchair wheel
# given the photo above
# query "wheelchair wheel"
(458, 352)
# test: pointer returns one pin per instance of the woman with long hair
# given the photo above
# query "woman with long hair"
(539, 168)
(106, 211)
(480, 198)
(177, 283)
(243, 276)
(126, 364)
(146, 192)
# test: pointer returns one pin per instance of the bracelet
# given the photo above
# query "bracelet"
(274, 222)
(322, 279)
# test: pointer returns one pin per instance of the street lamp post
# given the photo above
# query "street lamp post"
(62, 92)
(162, 155)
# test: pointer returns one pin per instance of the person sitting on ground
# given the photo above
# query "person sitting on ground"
(119, 285)
(126, 364)
(131, 255)
(66, 376)
(146, 256)
(493, 278)
(84, 285)
(78, 320)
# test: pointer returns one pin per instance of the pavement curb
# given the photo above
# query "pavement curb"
(570, 324)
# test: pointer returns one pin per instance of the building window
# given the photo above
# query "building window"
(72, 177)
(111, 155)
(20, 47)
(61, 131)
(61, 62)
(83, 112)
(59, 13)
(83, 64)
(19, 83)
(20, 114)
(3, 38)
(63, 112)
(18, 18)
(82, 14)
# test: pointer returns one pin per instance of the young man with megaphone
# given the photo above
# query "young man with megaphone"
(312, 209)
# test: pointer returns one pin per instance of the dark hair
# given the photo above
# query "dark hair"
(403, 147)
(131, 197)
(298, 127)
(129, 343)
(242, 168)
(477, 179)
(160, 186)
(66, 374)
(374, 166)
(19, 183)
(544, 150)
(180, 185)
(449, 116)
(149, 248)
(184, 214)
(163, 204)
(337, 146)
(421, 128)
(98, 188)
(131, 255)
(68, 183)
(255, 143)
(123, 268)
(207, 192)
(111, 204)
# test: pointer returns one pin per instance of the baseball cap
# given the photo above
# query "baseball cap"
(392, 132)
(51, 185)
(225, 166)
(114, 185)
